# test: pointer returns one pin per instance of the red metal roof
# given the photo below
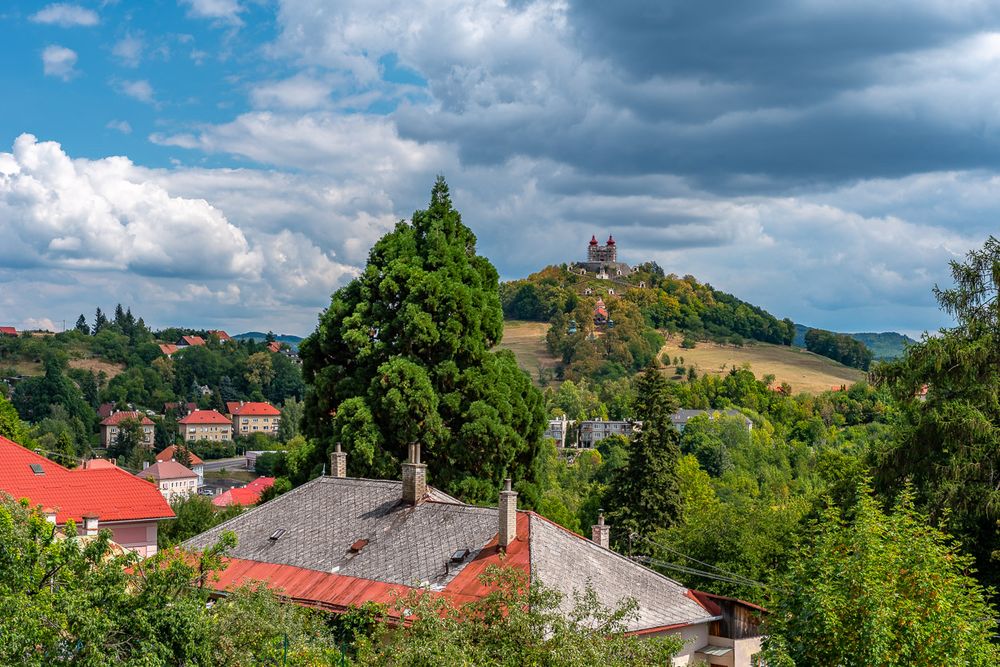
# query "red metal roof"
(256, 410)
(170, 454)
(248, 495)
(204, 417)
(111, 493)
(122, 415)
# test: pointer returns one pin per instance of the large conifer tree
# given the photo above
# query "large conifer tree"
(644, 496)
(405, 354)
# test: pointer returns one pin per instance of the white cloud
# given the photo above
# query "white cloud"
(98, 215)
(60, 62)
(66, 15)
(298, 92)
(129, 50)
(39, 323)
(122, 126)
(227, 11)
(140, 90)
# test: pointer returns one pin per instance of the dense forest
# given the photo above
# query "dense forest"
(839, 347)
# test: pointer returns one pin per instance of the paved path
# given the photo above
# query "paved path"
(236, 463)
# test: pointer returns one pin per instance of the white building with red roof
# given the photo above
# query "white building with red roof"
(196, 464)
(245, 496)
(171, 478)
(250, 418)
(111, 425)
(205, 425)
(113, 498)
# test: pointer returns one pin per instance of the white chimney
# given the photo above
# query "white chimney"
(50, 515)
(90, 524)
(145, 464)
(601, 532)
(414, 477)
(338, 462)
(508, 515)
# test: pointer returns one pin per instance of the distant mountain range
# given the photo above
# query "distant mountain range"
(885, 345)
(293, 341)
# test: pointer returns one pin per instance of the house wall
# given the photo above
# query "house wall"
(246, 425)
(174, 488)
(215, 432)
(109, 435)
(137, 536)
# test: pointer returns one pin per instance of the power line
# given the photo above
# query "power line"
(726, 575)
(698, 573)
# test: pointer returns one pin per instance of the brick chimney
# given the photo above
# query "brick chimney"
(90, 524)
(414, 477)
(338, 462)
(601, 532)
(508, 515)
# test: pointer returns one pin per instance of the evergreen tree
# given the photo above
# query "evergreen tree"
(405, 353)
(81, 325)
(100, 321)
(947, 442)
(120, 318)
(644, 496)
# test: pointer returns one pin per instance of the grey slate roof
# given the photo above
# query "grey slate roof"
(323, 518)
(569, 563)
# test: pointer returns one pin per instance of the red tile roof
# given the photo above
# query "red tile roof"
(170, 454)
(106, 410)
(233, 406)
(96, 464)
(274, 346)
(168, 348)
(9, 331)
(166, 470)
(192, 340)
(256, 410)
(111, 493)
(204, 417)
(123, 415)
(248, 495)
(221, 335)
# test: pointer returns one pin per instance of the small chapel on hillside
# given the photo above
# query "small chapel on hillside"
(603, 260)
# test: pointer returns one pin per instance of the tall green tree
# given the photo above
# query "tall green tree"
(881, 589)
(405, 353)
(81, 325)
(11, 426)
(947, 389)
(100, 321)
(644, 496)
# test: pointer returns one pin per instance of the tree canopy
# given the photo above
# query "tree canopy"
(405, 354)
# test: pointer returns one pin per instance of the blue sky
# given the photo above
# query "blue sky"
(228, 163)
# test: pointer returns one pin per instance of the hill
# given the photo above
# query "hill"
(292, 341)
(527, 341)
(804, 371)
(885, 345)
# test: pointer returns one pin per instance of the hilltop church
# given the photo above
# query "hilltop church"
(603, 259)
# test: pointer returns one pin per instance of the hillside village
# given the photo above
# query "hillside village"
(384, 468)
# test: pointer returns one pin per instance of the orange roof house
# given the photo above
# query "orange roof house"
(274, 346)
(221, 335)
(128, 506)
(168, 349)
(254, 417)
(170, 454)
(8, 331)
(190, 341)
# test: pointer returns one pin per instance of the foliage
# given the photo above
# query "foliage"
(404, 354)
(644, 495)
(11, 426)
(75, 601)
(839, 347)
(883, 589)
(195, 514)
(512, 626)
(948, 445)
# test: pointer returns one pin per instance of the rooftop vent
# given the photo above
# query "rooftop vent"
(276, 534)
(358, 546)
(37, 469)
(459, 555)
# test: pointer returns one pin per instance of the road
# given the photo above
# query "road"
(236, 463)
